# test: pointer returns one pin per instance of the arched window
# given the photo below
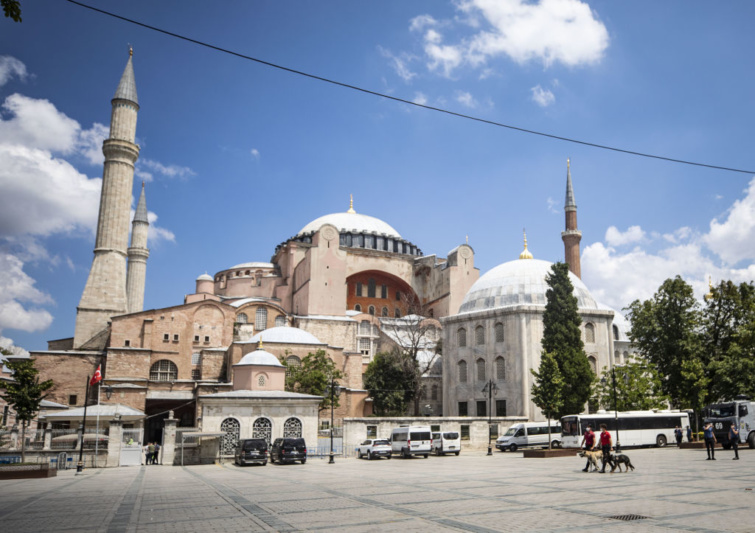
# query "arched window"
(262, 428)
(589, 333)
(241, 318)
(593, 364)
(364, 327)
(292, 428)
(499, 332)
(434, 392)
(375, 331)
(231, 429)
(479, 335)
(163, 370)
(372, 310)
(196, 358)
(617, 357)
(462, 371)
(500, 369)
(626, 357)
(261, 380)
(615, 332)
(397, 313)
(461, 337)
(260, 320)
(358, 307)
(280, 321)
(481, 370)
(384, 311)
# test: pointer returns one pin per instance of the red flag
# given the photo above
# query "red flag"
(97, 377)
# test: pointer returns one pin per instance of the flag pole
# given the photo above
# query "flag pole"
(97, 430)
(80, 465)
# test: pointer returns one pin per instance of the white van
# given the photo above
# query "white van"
(529, 434)
(446, 442)
(411, 440)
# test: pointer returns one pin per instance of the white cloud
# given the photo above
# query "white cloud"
(542, 97)
(10, 346)
(633, 234)
(553, 205)
(442, 57)
(466, 99)
(17, 287)
(169, 171)
(156, 234)
(422, 21)
(400, 63)
(9, 67)
(90, 143)
(255, 153)
(734, 238)
(420, 98)
(39, 124)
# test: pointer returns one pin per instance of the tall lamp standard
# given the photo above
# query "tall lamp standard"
(335, 392)
(492, 389)
(616, 410)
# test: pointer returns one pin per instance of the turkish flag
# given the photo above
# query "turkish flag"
(97, 376)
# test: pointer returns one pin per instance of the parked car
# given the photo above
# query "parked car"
(374, 449)
(411, 440)
(251, 451)
(446, 442)
(288, 451)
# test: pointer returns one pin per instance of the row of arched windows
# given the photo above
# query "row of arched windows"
(260, 319)
(479, 335)
(433, 395)
(383, 312)
(262, 428)
(480, 370)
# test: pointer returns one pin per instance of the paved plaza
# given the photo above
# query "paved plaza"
(674, 490)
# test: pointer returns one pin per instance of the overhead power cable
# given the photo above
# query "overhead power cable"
(409, 102)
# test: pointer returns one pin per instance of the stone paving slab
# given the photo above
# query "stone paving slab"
(674, 490)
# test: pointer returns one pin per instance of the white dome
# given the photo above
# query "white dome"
(352, 222)
(253, 264)
(259, 358)
(205, 277)
(519, 282)
(285, 335)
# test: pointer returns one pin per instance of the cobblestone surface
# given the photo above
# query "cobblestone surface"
(674, 490)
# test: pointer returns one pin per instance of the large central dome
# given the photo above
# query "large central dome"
(520, 282)
(353, 222)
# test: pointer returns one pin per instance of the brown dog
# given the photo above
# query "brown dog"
(593, 457)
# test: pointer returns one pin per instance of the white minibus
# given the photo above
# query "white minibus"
(529, 434)
(411, 440)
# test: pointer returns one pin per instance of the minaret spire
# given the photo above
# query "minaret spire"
(104, 295)
(351, 205)
(137, 257)
(571, 236)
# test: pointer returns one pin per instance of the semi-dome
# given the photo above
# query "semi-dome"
(205, 277)
(520, 282)
(354, 222)
(259, 358)
(285, 335)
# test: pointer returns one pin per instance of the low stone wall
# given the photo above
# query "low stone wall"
(50, 457)
(25, 471)
(544, 454)
(355, 430)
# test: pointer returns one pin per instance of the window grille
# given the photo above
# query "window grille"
(500, 408)
(500, 369)
(464, 430)
(371, 288)
(196, 374)
(364, 346)
(241, 318)
(261, 380)
(499, 332)
(280, 321)
(364, 327)
(163, 370)
(260, 319)
(479, 335)
(462, 371)
(262, 428)
(593, 364)
(461, 337)
(463, 412)
(482, 407)
(228, 442)
(292, 363)
(196, 357)
(481, 370)
(589, 333)
(292, 428)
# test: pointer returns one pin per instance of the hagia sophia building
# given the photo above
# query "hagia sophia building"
(346, 283)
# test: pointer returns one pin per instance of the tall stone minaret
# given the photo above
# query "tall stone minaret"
(105, 292)
(571, 236)
(137, 257)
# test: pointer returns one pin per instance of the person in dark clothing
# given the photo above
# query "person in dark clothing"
(678, 434)
(588, 443)
(689, 434)
(605, 445)
(710, 441)
(734, 439)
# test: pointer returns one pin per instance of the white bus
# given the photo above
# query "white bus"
(635, 428)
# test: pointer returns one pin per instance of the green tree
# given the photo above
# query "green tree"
(24, 393)
(313, 376)
(638, 388)
(548, 389)
(562, 338)
(390, 384)
(12, 9)
(665, 330)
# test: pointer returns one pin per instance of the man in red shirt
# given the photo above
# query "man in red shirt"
(605, 445)
(588, 443)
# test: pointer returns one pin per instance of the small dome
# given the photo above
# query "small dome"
(205, 277)
(259, 358)
(285, 335)
(519, 282)
(351, 222)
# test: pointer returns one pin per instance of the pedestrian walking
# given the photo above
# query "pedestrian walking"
(156, 455)
(605, 445)
(734, 439)
(588, 443)
(150, 453)
(678, 435)
(710, 441)
(689, 434)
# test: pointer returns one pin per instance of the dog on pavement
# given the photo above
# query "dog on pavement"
(616, 460)
(593, 457)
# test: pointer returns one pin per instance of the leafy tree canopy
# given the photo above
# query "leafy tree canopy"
(12, 9)
(390, 380)
(638, 388)
(548, 387)
(314, 376)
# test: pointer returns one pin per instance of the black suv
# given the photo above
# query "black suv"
(251, 451)
(288, 450)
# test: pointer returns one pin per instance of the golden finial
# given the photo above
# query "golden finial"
(467, 239)
(351, 205)
(526, 253)
(259, 346)
(130, 51)
(710, 289)
(567, 163)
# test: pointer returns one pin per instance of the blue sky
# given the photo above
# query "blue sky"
(239, 156)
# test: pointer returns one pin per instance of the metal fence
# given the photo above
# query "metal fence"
(322, 449)
(35, 440)
(132, 436)
(64, 439)
(188, 441)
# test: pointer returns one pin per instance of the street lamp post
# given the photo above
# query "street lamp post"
(335, 392)
(492, 389)
(616, 410)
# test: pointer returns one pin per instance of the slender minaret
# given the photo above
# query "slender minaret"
(137, 257)
(105, 292)
(572, 235)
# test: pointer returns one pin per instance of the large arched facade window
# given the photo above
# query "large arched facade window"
(589, 333)
(462, 371)
(260, 319)
(481, 370)
(163, 370)
(461, 337)
(262, 428)
(479, 335)
(593, 364)
(500, 369)
(241, 318)
(292, 362)
(292, 428)
(231, 429)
